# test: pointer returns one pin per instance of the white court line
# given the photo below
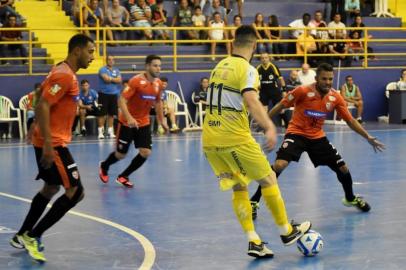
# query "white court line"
(149, 249)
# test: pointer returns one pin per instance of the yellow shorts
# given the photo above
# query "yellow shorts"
(238, 164)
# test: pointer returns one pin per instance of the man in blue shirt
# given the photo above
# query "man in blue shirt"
(87, 104)
(109, 89)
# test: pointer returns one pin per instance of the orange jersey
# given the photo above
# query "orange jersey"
(311, 110)
(60, 89)
(141, 95)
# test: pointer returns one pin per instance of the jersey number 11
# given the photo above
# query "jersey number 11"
(219, 89)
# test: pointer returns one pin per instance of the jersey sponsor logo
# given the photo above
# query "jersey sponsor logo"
(143, 82)
(311, 94)
(55, 89)
(315, 114)
(75, 174)
(213, 123)
(148, 97)
(332, 98)
(291, 97)
(239, 164)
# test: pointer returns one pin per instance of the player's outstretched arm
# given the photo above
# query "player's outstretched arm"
(258, 112)
(357, 127)
(276, 110)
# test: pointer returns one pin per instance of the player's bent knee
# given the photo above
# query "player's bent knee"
(238, 187)
(75, 194)
(120, 155)
(145, 152)
(280, 165)
(344, 169)
(50, 190)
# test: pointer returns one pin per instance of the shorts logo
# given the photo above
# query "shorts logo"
(225, 175)
(75, 174)
(120, 146)
(54, 89)
(332, 98)
(235, 157)
(311, 94)
(285, 145)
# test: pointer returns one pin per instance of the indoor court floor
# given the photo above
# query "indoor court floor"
(176, 218)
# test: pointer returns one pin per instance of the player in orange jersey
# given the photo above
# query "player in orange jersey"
(311, 104)
(55, 113)
(143, 91)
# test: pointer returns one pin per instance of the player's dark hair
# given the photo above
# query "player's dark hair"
(244, 36)
(324, 67)
(82, 82)
(164, 79)
(203, 78)
(152, 57)
(125, 81)
(36, 85)
(401, 72)
(347, 77)
(78, 40)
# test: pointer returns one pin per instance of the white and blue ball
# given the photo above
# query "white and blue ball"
(310, 244)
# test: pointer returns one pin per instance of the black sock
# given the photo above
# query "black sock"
(75, 123)
(257, 195)
(134, 165)
(346, 181)
(61, 206)
(111, 159)
(38, 205)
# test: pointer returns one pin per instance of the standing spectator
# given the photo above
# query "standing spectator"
(87, 104)
(401, 84)
(307, 75)
(262, 34)
(335, 25)
(318, 19)
(141, 16)
(169, 112)
(338, 7)
(292, 82)
(339, 48)
(109, 89)
(352, 95)
(277, 47)
(33, 98)
(183, 18)
(217, 33)
(199, 20)
(159, 19)
(237, 22)
(14, 35)
(118, 16)
(352, 8)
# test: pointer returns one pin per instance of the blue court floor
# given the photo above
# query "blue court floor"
(176, 218)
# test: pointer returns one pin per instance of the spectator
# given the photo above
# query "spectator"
(262, 34)
(292, 82)
(322, 42)
(183, 18)
(237, 22)
(318, 19)
(6, 9)
(216, 7)
(338, 7)
(199, 20)
(358, 23)
(335, 25)
(307, 76)
(338, 48)
(401, 84)
(141, 16)
(352, 95)
(33, 98)
(217, 33)
(87, 104)
(159, 19)
(200, 95)
(352, 8)
(206, 5)
(118, 16)
(13, 35)
(305, 44)
(356, 46)
(277, 47)
(109, 89)
(301, 23)
(169, 112)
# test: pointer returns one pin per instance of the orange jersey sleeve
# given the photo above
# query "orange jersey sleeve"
(55, 87)
(293, 96)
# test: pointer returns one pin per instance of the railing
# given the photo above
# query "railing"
(176, 55)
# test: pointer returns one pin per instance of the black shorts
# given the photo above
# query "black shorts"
(320, 151)
(96, 111)
(141, 137)
(108, 104)
(267, 95)
(63, 171)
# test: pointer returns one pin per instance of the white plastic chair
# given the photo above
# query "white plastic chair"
(23, 105)
(6, 107)
(390, 86)
(200, 113)
(350, 107)
(175, 102)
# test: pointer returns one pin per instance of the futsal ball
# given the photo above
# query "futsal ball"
(310, 244)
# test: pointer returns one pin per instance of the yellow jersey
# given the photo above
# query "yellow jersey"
(226, 122)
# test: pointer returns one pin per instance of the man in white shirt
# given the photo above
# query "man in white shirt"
(318, 19)
(306, 75)
(301, 23)
(336, 24)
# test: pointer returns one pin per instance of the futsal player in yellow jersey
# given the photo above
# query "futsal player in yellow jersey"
(232, 152)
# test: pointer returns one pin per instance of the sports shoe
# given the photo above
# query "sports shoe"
(103, 174)
(32, 245)
(259, 251)
(122, 180)
(358, 202)
(161, 130)
(297, 231)
(111, 135)
(83, 132)
(174, 129)
(255, 207)
(17, 242)
(100, 136)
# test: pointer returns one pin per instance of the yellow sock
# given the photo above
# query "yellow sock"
(243, 211)
(274, 201)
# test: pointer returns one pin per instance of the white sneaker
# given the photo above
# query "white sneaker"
(112, 136)
(100, 136)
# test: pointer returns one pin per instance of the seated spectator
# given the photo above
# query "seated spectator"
(306, 75)
(217, 33)
(33, 98)
(301, 23)
(6, 9)
(318, 19)
(141, 16)
(338, 48)
(14, 35)
(263, 34)
(336, 24)
(292, 82)
(216, 7)
(183, 18)
(87, 105)
(352, 8)
(401, 84)
(206, 5)
(118, 16)
(199, 20)
(305, 44)
(90, 21)
(169, 112)
(277, 47)
(200, 95)
(322, 38)
(352, 95)
(75, 12)
(358, 23)
(159, 19)
(237, 22)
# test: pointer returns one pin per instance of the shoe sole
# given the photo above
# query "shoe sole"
(300, 234)
(257, 254)
(121, 184)
(16, 245)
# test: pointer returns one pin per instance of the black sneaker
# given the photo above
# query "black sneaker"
(359, 203)
(255, 207)
(83, 132)
(17, 242)
(259, 251)
(297, 231)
